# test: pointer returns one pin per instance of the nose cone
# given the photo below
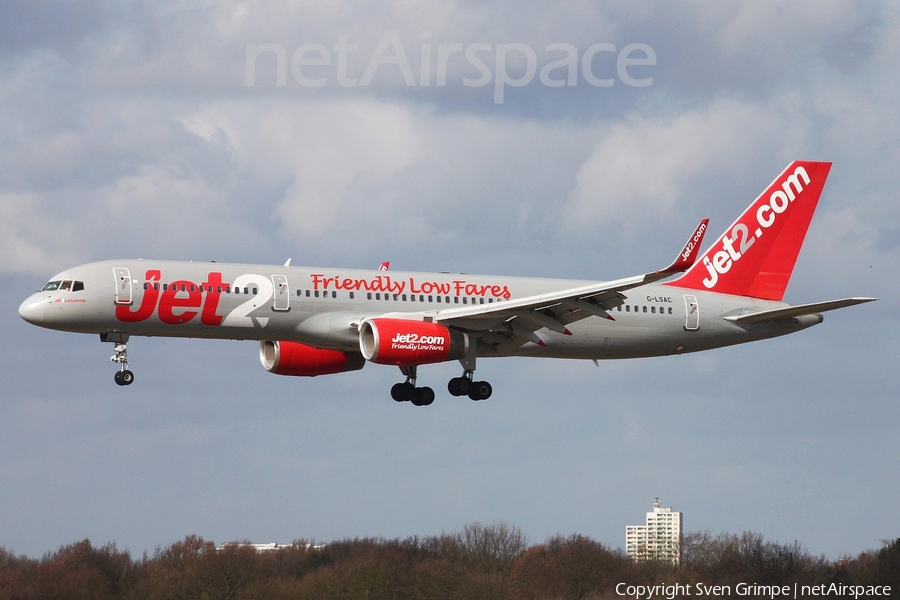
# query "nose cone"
(32, 310)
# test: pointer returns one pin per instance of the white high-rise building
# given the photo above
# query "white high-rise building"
(659, 539)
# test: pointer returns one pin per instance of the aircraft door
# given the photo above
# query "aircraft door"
(282, 293)
(124, 287)
(691, 313)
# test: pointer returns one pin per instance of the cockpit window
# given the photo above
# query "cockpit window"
(64, 286)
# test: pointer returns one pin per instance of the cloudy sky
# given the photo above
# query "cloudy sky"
(567, 139)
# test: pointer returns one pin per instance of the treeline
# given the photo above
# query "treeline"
(481, 561)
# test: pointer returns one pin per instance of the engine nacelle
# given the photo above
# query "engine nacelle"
(294, 358)
(404, 342)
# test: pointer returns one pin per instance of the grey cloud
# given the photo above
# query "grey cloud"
(35, 25)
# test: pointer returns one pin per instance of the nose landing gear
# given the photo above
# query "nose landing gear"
(123, 376)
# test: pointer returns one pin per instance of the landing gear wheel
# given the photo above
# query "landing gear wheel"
(124, 377)
(480, 390)
(459, 386)
(403, 392)
(423, 396)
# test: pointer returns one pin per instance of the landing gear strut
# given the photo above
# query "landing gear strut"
(408, 392)
(123, 375)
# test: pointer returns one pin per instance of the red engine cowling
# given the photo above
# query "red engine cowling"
(294, 358)
(405, 342)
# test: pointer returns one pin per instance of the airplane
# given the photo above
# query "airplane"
(314, 321)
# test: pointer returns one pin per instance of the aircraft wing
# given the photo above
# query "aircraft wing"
(517, 321)
(799, 310)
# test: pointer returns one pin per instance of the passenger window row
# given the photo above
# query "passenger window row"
(633, 307)
(379, 296)
(431, 298)
(76, 286)
(227, 289)
(317, 294)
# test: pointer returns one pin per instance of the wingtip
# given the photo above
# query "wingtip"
(691, 250)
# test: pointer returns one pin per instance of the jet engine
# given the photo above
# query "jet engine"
(404, 342)
(294, 358)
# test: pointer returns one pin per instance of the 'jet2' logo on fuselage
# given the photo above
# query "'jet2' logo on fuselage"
(172, 305)
(767, 213)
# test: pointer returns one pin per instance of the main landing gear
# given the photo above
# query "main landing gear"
(464, 386)
(458, 386)
(408, 392)
(123, 375)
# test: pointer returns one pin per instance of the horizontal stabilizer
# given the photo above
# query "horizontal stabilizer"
(796, 311)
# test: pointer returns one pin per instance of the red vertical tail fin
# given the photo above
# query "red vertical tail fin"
(756, 255)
